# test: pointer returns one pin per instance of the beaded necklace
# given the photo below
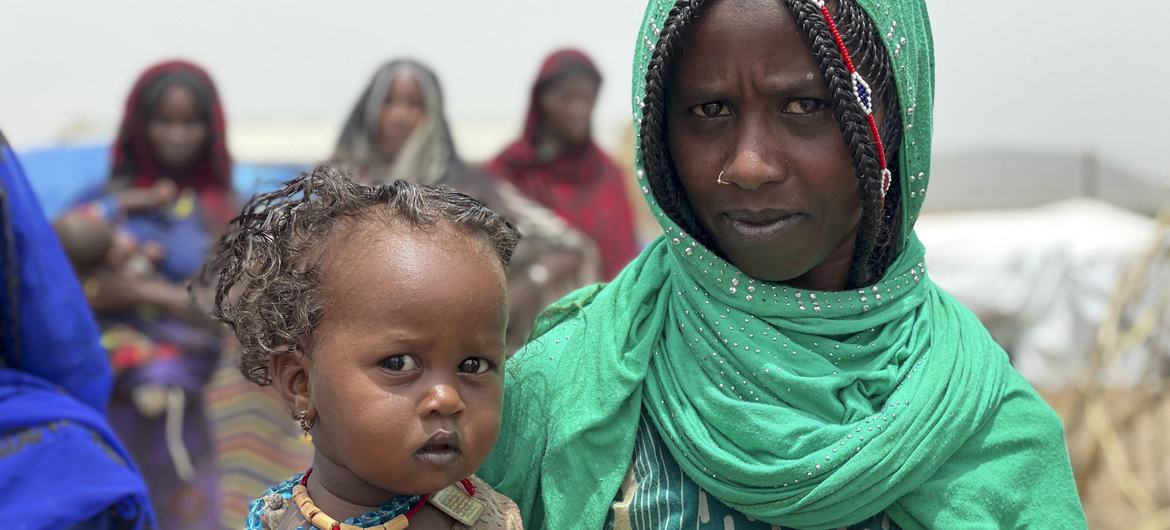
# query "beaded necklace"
(283, 496)
(394, 515)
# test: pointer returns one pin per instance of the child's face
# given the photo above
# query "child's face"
(406, 365)
(123, 247)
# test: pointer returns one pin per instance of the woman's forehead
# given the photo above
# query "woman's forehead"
(730, 41)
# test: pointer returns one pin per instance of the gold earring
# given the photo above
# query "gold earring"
(306, 423)
(720, 180)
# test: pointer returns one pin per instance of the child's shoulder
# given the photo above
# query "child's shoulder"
(499, 511)
(275, 509)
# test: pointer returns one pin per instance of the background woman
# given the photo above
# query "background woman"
(172, 141)
(557, 163)
(398, 130)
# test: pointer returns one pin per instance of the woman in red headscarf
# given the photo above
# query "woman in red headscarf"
(557, 163)
(173, 130)
(169, 188)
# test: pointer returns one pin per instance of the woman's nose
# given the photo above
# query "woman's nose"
(757, 159)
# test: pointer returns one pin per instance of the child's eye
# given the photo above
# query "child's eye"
(399, 363)
(713, 109)
(805, 106)
(476, 365)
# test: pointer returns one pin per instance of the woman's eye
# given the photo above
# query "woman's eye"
(805, 106)
(711, 110)
(400, 363)
(476, 365)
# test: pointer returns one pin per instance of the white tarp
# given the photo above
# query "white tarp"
(1041, 278)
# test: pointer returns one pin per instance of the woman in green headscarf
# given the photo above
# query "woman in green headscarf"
(780, 357)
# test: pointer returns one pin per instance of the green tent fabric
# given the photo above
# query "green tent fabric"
(801, 408)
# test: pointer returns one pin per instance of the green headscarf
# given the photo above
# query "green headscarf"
(798, 408)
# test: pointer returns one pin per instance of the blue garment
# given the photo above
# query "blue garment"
(47, 327)
(183, 236)
(60, 464)
(62, 174)
(184, 240)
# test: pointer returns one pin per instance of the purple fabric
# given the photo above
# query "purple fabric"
(178, 504)
(191, 370)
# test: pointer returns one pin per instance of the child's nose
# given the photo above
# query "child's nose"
(442, 400)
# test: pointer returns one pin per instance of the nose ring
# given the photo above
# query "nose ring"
(720, 180)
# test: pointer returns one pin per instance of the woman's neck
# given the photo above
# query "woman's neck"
(548, 148)
(832, 274)
(386, 160)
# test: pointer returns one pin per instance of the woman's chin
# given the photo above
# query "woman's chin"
(779, 262)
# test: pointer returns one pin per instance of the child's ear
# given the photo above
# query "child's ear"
(290, 376)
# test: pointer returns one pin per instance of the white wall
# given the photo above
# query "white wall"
(1048, 75)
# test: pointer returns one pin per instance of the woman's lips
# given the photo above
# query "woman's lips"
(760, 226)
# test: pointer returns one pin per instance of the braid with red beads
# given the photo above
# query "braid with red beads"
(862, 92)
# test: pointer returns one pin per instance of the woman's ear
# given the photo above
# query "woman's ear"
(290, 376)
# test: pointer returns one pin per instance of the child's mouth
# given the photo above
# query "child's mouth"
(441, 449)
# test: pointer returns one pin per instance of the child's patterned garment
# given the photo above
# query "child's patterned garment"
(275, 510)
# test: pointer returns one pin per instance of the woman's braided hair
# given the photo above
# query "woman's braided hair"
(267, 269)
(880, 222)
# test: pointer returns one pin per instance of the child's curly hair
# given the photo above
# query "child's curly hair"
(267, 267)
